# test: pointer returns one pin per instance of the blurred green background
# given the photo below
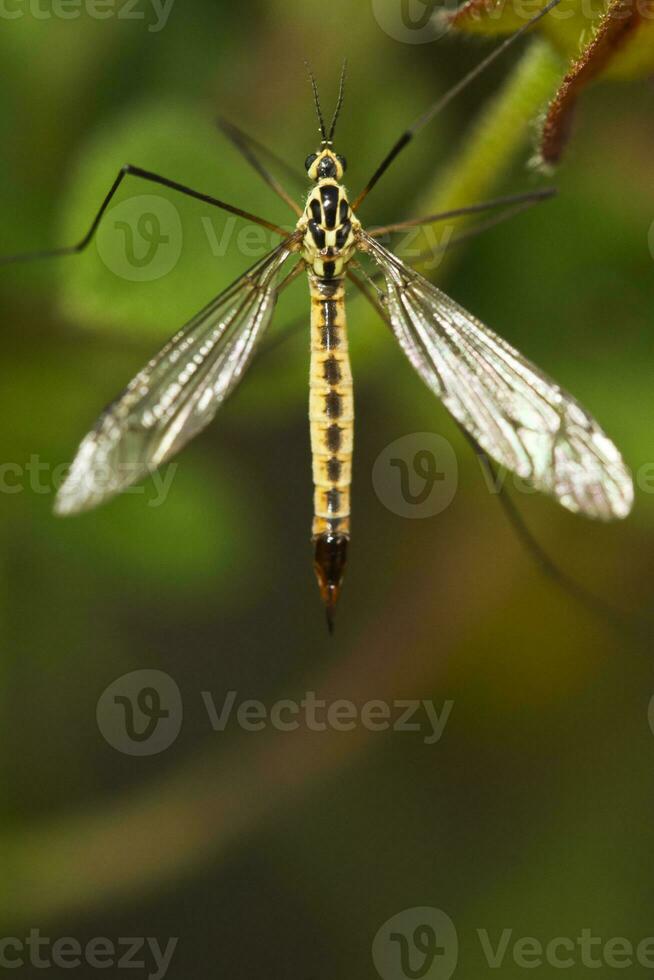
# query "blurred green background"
(283, 853)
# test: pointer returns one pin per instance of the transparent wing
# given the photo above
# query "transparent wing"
(515, 412)
(177, 393)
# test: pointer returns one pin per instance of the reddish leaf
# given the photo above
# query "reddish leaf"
(618, 26)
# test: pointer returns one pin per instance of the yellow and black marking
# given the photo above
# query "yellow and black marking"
(331, 415)
(329, 238)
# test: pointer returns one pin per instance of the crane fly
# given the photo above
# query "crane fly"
(513, 411)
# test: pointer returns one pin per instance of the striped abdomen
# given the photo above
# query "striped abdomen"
(331, 414)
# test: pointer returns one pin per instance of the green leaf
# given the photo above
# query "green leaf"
(158, 256)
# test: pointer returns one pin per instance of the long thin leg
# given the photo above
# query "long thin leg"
(473, 232)
(374, 300)
(129, 170)
(282, 335)
(528, 197)
(292, 172)
(300, 323)
(445, 99)
(244, 144)
(465, 236)
(294, 327)
(594, 603)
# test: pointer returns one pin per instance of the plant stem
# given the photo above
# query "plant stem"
(500, 132)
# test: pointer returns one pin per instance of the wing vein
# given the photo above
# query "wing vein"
(514, 411)
(179, 390)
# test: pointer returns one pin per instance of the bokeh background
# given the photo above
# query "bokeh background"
(284, 853)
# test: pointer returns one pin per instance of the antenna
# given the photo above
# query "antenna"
(445, 99)
(339, 104)
(316, 97)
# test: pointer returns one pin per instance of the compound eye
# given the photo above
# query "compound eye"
(343, 162)
(310, 160)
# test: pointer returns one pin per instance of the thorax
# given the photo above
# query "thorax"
(330, 230)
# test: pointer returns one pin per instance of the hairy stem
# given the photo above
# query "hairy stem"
(498, 135)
